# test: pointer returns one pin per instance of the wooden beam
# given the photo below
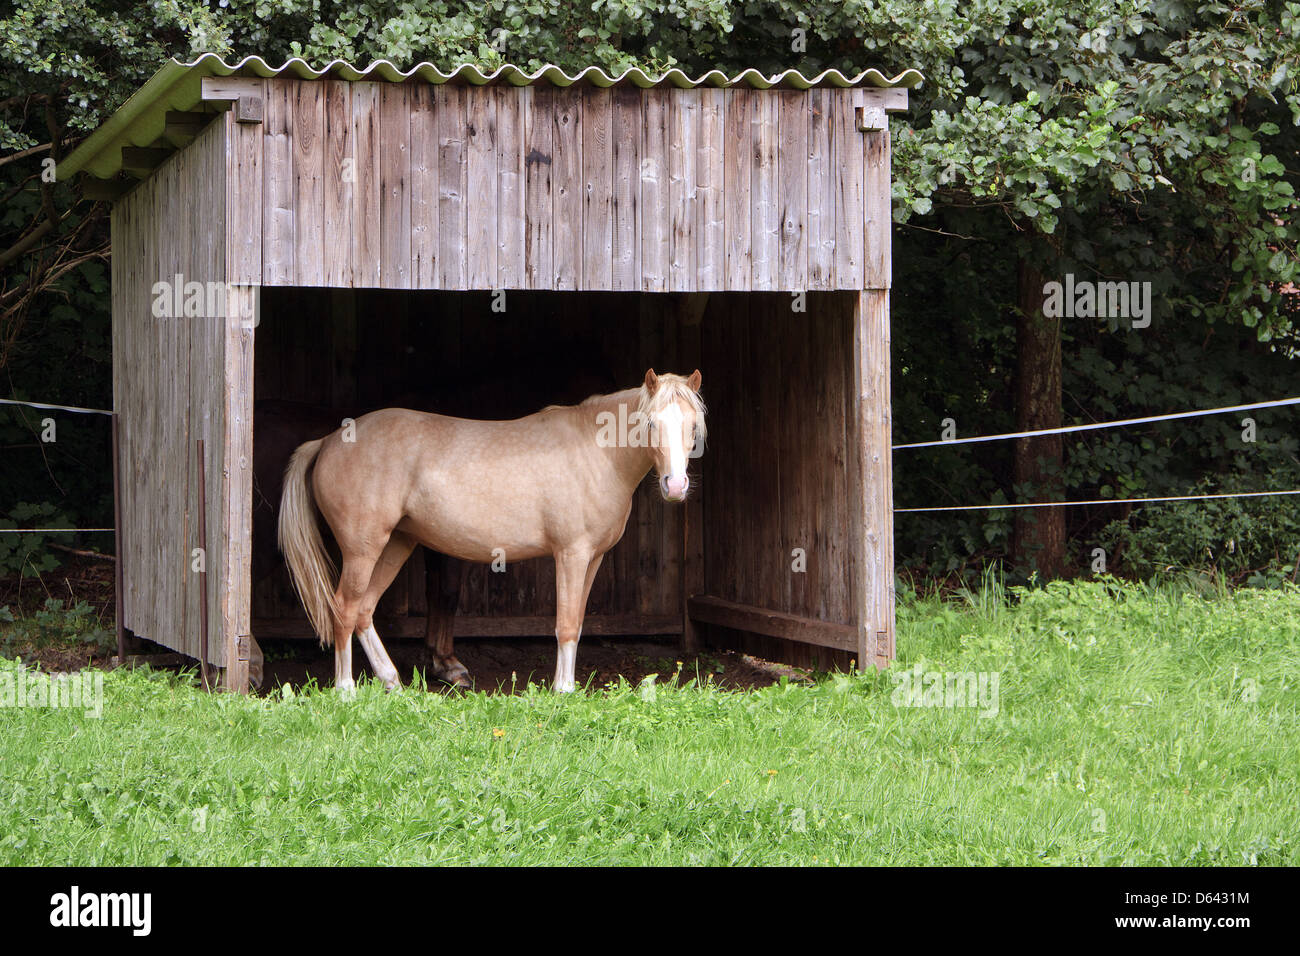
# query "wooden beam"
(244, 94)
(181, 127)
(105, 190)
(594, 625)
(791, 627)
(891, 100)
(139, 161)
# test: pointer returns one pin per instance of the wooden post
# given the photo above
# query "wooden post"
(875, 585)
(117, 544)
(237, 530)
(875, 500)
(203, 574)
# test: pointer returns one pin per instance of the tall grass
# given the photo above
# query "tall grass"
(1134, 726)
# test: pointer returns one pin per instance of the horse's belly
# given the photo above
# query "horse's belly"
(472, 534)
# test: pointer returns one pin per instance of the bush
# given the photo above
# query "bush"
(1244, 541)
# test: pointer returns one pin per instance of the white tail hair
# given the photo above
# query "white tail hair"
(310, 566)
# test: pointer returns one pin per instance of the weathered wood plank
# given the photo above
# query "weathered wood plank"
(278, 242)
(682, 162)
(821, 194)
(449, 112)
(846, 148)
(424, 189)
(597, 188)
(792, 198)
(340, 177)
(232, 413)
(625, 246)
(511, 104)
(481, 151)
(878, 228)
(307, 145)
(367, 190)
(395, 185)
(873, 498)
(710, 225)
(766, 223)
(538, 260)
(737, 162)
(741, 617)
(656, 214)
(566, 191)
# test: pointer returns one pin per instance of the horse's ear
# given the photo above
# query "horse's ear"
(693, 383)
(651, 381)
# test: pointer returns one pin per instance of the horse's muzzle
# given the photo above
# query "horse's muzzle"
(674, 489)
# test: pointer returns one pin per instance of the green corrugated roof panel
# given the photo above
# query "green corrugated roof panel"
(177, 86)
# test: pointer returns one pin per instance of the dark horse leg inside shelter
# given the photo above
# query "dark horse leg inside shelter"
(443, 579)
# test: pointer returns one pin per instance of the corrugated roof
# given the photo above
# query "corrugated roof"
(177, 86)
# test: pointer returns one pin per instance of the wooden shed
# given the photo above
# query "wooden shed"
(349, 238)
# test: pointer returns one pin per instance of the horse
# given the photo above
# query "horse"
(483, 392)
(558, 482)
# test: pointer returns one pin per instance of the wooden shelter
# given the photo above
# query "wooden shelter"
(349, 238)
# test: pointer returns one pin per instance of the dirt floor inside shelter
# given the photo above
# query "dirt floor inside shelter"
(497, 665)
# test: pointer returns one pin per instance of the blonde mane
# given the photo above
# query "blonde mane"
(671, 388)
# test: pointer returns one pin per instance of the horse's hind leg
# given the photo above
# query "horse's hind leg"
(355, 576)
(395, 553)
(443, 579)
(359, 569)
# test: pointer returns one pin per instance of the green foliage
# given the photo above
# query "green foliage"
(55, 624)
(1255, 542)
(29, 555)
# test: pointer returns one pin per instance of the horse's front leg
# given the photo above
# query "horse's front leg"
(574, 572)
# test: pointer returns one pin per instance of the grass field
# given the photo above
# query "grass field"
(1132, 726)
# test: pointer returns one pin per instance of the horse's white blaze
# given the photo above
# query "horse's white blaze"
(671, 419)
(380, 662)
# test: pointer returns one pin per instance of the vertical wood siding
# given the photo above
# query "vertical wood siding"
(380, 185)
(169, 390)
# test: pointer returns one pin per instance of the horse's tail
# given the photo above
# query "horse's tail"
(310, 566)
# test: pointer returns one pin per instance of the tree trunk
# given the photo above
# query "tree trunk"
(1039, 542)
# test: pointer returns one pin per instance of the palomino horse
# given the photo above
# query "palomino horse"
(558, 482)
(281, 426)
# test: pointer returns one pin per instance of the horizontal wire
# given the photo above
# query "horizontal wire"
(57, 408)
(1100, 501)
(1083, 428)
(51, 530)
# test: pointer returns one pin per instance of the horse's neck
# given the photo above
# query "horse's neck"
(631, 462)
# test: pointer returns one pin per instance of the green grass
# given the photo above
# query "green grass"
(1134, 726)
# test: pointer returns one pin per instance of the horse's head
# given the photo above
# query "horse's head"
(673, 412)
